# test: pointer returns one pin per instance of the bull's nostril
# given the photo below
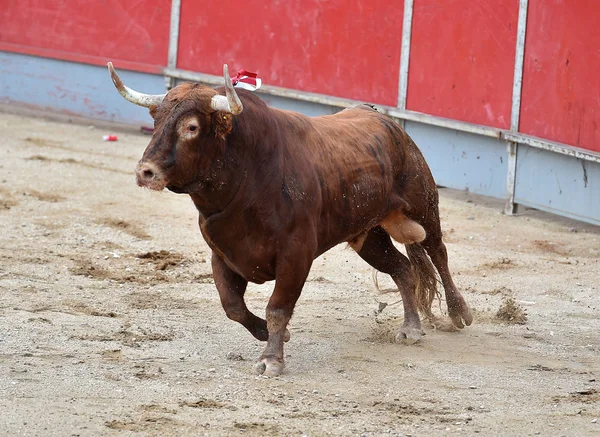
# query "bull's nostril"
(148, 174)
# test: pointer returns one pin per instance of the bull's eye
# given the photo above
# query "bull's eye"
(192, 128)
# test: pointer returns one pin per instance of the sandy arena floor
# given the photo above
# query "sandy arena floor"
(110, 323)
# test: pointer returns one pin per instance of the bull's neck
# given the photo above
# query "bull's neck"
(215, 195)
(249, 168)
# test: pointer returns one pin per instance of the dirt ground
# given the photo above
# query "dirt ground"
(110, 323)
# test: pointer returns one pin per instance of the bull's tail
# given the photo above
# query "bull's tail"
(426, 285)
(425, 278)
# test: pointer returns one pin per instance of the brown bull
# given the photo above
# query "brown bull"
(275, 189)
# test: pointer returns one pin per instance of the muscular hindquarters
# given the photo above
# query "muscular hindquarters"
(358, 157)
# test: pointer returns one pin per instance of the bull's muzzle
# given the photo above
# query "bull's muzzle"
(149, 176)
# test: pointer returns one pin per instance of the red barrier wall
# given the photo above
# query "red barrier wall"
(462, 59)
(561, 76)
(462, 51)
(345, 48)
(135, 35)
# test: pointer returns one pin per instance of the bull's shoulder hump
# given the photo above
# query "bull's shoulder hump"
(364, 112)
(363, 106)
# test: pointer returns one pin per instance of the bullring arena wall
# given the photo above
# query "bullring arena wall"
(501, 96)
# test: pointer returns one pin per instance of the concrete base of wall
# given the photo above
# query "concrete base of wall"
(462, 160)
(74, 89)
(558, 184)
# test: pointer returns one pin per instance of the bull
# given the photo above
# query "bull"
(275, 189)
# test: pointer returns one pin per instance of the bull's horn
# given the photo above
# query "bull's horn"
(145, 100)
(232, 102)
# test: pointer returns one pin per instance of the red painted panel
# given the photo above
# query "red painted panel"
(462, 59)
(136, 33)
(346, 48)
(561, 76)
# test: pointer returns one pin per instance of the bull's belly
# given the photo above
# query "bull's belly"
(354, 210)
(339, 228)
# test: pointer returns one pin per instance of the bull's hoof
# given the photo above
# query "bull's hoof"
(407, 335)
(460, 313)
(268, 367)
(286, 336)
(259, 368)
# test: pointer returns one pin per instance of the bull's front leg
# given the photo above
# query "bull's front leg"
(291, 274)
(232, 288)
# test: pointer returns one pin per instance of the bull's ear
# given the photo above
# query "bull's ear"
(222, 123)
(152, 110)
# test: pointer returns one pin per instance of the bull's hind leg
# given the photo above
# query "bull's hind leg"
(232, 287)
(458, 310)
(377, 249)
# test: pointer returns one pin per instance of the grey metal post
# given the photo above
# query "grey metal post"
(511, 208)
(173, 41)
(512, 146)
(405, 54)
(404, 58)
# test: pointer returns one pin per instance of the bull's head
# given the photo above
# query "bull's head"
(191, 122)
